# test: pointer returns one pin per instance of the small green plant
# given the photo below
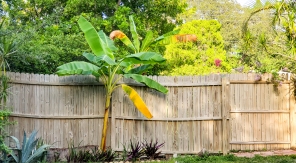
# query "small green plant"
(276, 79)
(108, 155)
(86, 155)
(151, 149)
(73, 154)
(5, 157)
(230, 157)
(293, 156)
(4, 122)
(28, 153)
(56, 157)
(188, 159)
(4, 114)
(4, 89)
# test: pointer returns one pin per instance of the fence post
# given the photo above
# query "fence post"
(292, 116)
(225, 114)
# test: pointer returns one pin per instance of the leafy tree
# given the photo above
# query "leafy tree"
(279, 46)
(202, 57)
(45, 24)
(228, 12)
(104, 65)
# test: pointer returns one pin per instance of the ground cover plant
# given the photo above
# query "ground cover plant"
(232, 158)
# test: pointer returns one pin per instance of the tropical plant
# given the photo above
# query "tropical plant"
(7, 48)
(77, 154)
(283, 22)
(4, 122)
(106, 156)
(104, 65)
(151, 149)
(4, 111)
(135, 152)
(28, 153)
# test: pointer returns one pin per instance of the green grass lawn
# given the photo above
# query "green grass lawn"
(232, 158)
(226, 159)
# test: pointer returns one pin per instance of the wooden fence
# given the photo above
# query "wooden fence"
(216, 112)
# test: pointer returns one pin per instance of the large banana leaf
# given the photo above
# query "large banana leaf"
(149, 57)
(108, 42)
(147, 41)
(137, 100)
(107, 45)
(123, 38)
(92, 58)
(147, 81)
(134, 33)
(97, 45)
(139, 70)
(167, 35)
(78, 68)
(97, 59)
(91, 36)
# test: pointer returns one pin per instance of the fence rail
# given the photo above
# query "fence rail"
(217, 112)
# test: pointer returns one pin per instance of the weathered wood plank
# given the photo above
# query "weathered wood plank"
(225, 114)
(292, 118)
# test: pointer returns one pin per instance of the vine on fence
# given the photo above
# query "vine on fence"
(4, 114)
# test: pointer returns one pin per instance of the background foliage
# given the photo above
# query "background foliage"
(47, 34)
(194, 58)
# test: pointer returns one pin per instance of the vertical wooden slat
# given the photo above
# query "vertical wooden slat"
(42, 125)
(48, 130)
(54, 107)
(292, 117)
(225, 114)
(169, 144)
(195, 129)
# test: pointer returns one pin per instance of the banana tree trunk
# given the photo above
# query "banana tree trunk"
(105, 125)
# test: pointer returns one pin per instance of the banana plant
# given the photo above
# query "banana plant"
(104, 65)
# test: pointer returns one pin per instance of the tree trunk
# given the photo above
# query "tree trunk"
(105, 125)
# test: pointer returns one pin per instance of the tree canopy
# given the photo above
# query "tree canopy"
(52, 34)
(205, 56)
